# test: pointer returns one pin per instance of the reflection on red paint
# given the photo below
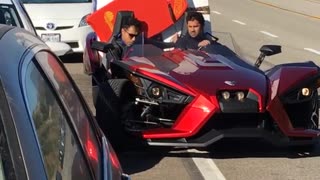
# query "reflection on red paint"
(92, 152)
(114, 158)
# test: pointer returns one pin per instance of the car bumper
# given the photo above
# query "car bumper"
(216, 135)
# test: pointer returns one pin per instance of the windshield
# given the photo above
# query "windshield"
(55, 1)
(147, 48)
(8, 16)
(225, 48)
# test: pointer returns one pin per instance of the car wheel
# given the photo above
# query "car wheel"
(112, 97)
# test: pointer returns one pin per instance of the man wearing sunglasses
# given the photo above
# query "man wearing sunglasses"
(130, 30)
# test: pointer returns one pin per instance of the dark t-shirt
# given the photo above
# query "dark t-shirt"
(188, 42)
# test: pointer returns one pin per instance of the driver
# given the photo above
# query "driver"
(195, 37)
(127, 37)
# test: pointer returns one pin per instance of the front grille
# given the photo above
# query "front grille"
(236, 120)
(73, 44)
(235, 106)
(58, 28)
(225, 121)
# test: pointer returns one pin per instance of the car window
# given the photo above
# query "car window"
(61, 152)
(8, 15)
(75, 106)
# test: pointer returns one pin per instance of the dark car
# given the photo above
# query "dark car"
(46, 128)
(193, 98)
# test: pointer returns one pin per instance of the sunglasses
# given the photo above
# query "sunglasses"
(131, 35)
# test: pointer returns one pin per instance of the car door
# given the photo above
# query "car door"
(65, 153)
(11, 161)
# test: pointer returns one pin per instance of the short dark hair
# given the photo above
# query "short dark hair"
(191, 16)
(132, 21)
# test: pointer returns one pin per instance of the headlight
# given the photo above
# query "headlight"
(155, 91)
(305, 91)
(83, 21)
(240, 95)
(225, 95)
(233, 95)
(159, 92)
(299, 95)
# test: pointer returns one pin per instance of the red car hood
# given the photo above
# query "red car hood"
(201, 72)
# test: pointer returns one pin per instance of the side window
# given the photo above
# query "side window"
(8, 16)
(61, 151)
(74, 105)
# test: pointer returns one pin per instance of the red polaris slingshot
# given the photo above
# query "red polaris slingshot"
(193, 98)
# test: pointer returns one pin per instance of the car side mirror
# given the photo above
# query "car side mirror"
(102, 46)
(59, 48)
(267, 50)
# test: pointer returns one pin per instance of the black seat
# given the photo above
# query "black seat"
(121, 18)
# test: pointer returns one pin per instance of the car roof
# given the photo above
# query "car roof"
(14, 42)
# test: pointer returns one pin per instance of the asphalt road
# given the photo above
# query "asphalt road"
(253, 24)
(250, 24)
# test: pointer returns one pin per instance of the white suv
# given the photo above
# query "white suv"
(61, 20)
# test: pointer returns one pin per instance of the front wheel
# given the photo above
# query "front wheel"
(113, 96)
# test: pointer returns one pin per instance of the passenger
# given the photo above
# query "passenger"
(130, 29)
(195, 38)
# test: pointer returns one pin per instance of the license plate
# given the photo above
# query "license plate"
(51, 37)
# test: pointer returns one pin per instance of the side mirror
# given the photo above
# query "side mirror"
(102, 46)
(267, 50)
(59, 48)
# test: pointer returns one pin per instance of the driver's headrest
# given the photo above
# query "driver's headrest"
(121, 18)
(184, 28)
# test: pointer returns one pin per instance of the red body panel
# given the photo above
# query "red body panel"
(286, 77)
(280, 82)
(102, 21)
(189, 122)
(200, 78)
(203, 77)
(277, 112)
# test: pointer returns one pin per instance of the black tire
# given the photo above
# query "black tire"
(109, 114)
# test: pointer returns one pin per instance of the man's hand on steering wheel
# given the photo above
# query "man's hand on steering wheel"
(204, 43)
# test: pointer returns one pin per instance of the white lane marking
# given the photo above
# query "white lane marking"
(269, 34)
(312, 50)
(207, 167)
(216, 12)
(239, 22)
